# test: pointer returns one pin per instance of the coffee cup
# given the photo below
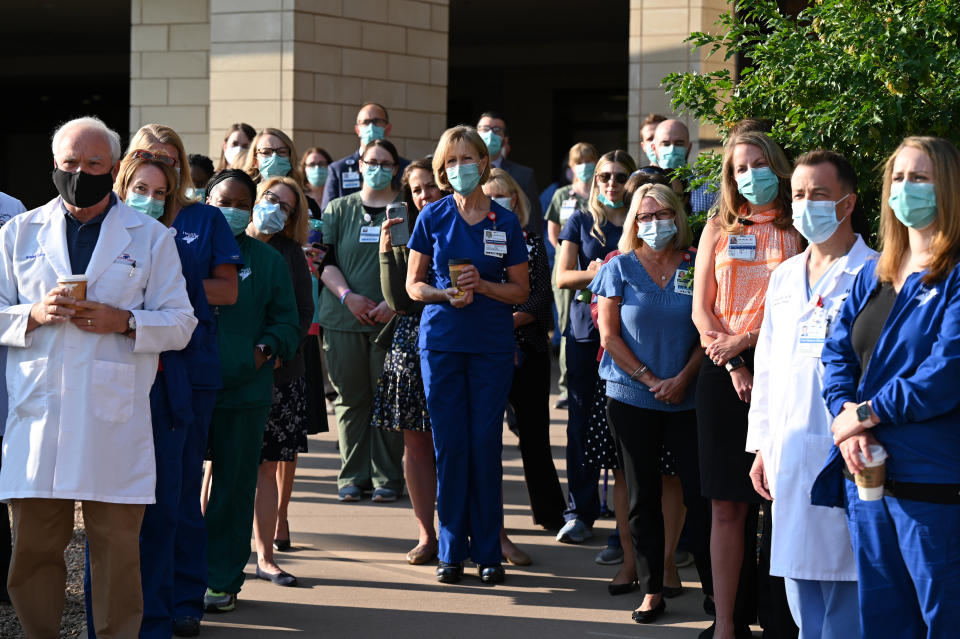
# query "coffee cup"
(77, 284)
(456, 269)
(870, 480)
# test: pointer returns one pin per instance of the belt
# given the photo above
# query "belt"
(947, 494)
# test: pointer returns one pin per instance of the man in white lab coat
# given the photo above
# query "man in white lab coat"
(78, 377)
(789, 427)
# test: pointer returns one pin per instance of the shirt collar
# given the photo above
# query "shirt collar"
(96, 220)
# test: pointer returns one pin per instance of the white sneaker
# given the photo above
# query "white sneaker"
(574, 532)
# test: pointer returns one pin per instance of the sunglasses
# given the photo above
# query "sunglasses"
(621, 178)
(652, 170)
(147, 155)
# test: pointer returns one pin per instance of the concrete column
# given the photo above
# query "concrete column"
(658, 29)
(169, 79)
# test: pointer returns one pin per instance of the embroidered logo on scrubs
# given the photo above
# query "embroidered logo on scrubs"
(244, 273)
(925, 296)
(124, 258)
(189, 238)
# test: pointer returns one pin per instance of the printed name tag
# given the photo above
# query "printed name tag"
(369, 234)
(567, 209)
(350, 180)
(742, 247)
(813, 333)
(494, 243)
(683, 282)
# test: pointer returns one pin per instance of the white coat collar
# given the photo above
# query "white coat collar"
(114, 237)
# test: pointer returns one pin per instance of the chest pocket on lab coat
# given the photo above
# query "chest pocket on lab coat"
(113, 388)
(117, 287)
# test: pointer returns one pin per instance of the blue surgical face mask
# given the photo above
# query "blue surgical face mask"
(651, 155)
(816, 219)
(268, 217)
(237, 219)
(377, 177)
(145, 204)
(607, 202)
(671, 157)
(505, 202)
(914, 203)
(274, 166)
(657, 233)
(758, 186)
(317, 175)
(493, 141)
(584, 172)
(464, 178)
(371, 132)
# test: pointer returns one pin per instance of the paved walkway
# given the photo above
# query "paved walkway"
(355, 582)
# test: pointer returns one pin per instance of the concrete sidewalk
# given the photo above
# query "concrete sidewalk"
(355, 582)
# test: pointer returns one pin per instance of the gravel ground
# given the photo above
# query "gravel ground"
(74, 617)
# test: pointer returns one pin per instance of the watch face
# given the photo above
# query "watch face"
(863, 412)
(132, 322)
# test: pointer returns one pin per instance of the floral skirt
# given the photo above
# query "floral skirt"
(400, 402)
(286, 431)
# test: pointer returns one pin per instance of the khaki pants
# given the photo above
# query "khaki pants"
(41, 531)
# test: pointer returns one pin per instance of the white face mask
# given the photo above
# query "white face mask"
(231, 153)
(816, 219)
(505, 202)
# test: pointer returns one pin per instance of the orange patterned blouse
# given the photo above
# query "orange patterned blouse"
(742, 284)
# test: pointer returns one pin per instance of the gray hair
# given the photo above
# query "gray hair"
(94, 123)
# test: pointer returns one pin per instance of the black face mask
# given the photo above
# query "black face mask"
(82, 189)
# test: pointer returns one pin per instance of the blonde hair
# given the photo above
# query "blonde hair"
(593, 205)
(894, 238)
(665, 197)
(450, 138)
(151, 135)
(251, 166)
(129, 167)
(731, 199)
(581, 153)
(296, 228)
(502, 179)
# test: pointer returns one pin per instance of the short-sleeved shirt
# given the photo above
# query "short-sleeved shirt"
(559, 210)
(486, 325)
(354, 234)
(655, 323)
(204, 229)
(578, 230)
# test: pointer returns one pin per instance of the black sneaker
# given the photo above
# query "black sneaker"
(186, 626)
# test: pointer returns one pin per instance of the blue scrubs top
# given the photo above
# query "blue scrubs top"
(577, 230)
(204, 231)
(486, 325)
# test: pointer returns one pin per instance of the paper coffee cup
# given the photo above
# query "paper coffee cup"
(870, 480)
(77, 285)
(456, 268)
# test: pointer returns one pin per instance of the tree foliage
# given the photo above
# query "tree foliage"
(848, 75)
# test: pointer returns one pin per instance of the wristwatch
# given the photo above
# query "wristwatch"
(131, 324)
(864, 413)
(266, 350)
(734, 363)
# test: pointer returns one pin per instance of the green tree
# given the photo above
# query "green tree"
(848, 75)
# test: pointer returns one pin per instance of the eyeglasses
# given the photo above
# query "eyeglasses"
(266, 151)
(375, 164)
(662, 214)
(621, 178)
(272, 198)
(496, 129)
(374, 121)
(147, 155)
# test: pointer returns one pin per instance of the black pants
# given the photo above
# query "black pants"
(640, 433)
(6, 547)
(773, 609)
(530, 398)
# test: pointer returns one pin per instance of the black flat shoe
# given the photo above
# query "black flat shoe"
(738, 633)
(282, 545)
(621, 589)
(449, 573)
(281, 578)
(709, 607)
(649, 616)
(491, 574)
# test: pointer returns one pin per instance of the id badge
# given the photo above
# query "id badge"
(567, 209)
(813, 333)
(350, 180)
(742, 247)
(683, 281)
(369, 234)
(494, 243)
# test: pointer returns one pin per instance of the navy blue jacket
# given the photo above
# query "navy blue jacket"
(910, 380)
(528, 183)
(333, 188)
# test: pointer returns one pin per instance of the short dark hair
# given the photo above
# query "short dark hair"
(233, 174)
(845, 171)
(652, 118)
(386, 116)
(205, 163)
(494, 115)
(386, 144)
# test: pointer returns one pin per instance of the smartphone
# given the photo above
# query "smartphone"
(399, 233)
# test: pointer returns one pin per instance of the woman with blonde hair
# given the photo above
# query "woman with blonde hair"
(741, 246)
(270, 156)
(890, 370)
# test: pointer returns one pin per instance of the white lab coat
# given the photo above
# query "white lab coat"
(78, 425)
(790, 424)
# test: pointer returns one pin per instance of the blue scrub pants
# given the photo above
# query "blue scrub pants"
(466, 393)
(908, 562)
(582, 371)
(173, 538)
(824, 609)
